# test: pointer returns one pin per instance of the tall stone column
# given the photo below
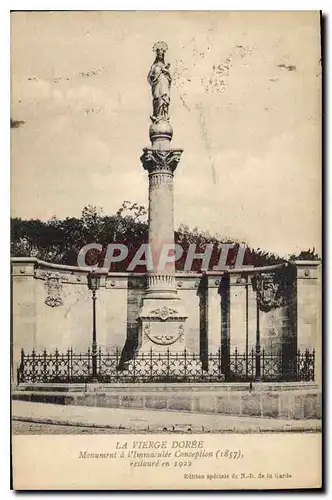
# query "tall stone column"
(162, 316)
(161, 165)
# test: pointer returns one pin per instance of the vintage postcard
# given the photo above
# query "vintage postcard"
(166, 250)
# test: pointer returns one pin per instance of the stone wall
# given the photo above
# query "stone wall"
(52, 308)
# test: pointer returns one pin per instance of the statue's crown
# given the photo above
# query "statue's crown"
(160, 46)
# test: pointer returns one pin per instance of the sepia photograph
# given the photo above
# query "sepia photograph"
(166, 250)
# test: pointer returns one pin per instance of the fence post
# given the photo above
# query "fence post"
(253, 364)
(134, 368)
(71, 365)
(44, 366)
(33, 359)
(68, 364)
(225, 357)
(263, 373)
(151, 363)
(313, 364)
(56, 362)
(258, 344)
(258, 364)
(307, 365)
(117, 364)
(247, 325)
(298, 365)
(20, 369)
(89, 365)
(99, 364)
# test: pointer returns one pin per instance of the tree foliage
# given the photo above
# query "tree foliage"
(16, 123)
(59, 241)
(305, 255)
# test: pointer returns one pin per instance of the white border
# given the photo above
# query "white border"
(5, 7)
(166, 5)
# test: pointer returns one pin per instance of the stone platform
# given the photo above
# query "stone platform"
(275, 400)
(40, 418)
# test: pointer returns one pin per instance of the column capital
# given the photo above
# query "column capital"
(160, 161)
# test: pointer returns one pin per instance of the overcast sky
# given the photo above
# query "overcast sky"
(245, 108)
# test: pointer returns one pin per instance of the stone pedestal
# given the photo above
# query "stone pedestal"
(162, 325)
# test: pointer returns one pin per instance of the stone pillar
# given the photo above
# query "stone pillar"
(238, 315)
(112, 300)
(213, 314)
(308, 310)
(23, 303)
(162, 317)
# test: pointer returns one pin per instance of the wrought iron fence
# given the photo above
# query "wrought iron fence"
(165, 366)
(267, 366)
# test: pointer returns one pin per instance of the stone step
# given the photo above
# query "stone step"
(296, 404)
(169, 387)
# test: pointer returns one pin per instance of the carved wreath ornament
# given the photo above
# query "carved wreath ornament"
(164, 312)
(163, 339)
(53, 288)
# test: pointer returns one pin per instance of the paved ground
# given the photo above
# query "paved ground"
(22, 427)
(50, 418)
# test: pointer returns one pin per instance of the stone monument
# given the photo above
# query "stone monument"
(162, 316)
